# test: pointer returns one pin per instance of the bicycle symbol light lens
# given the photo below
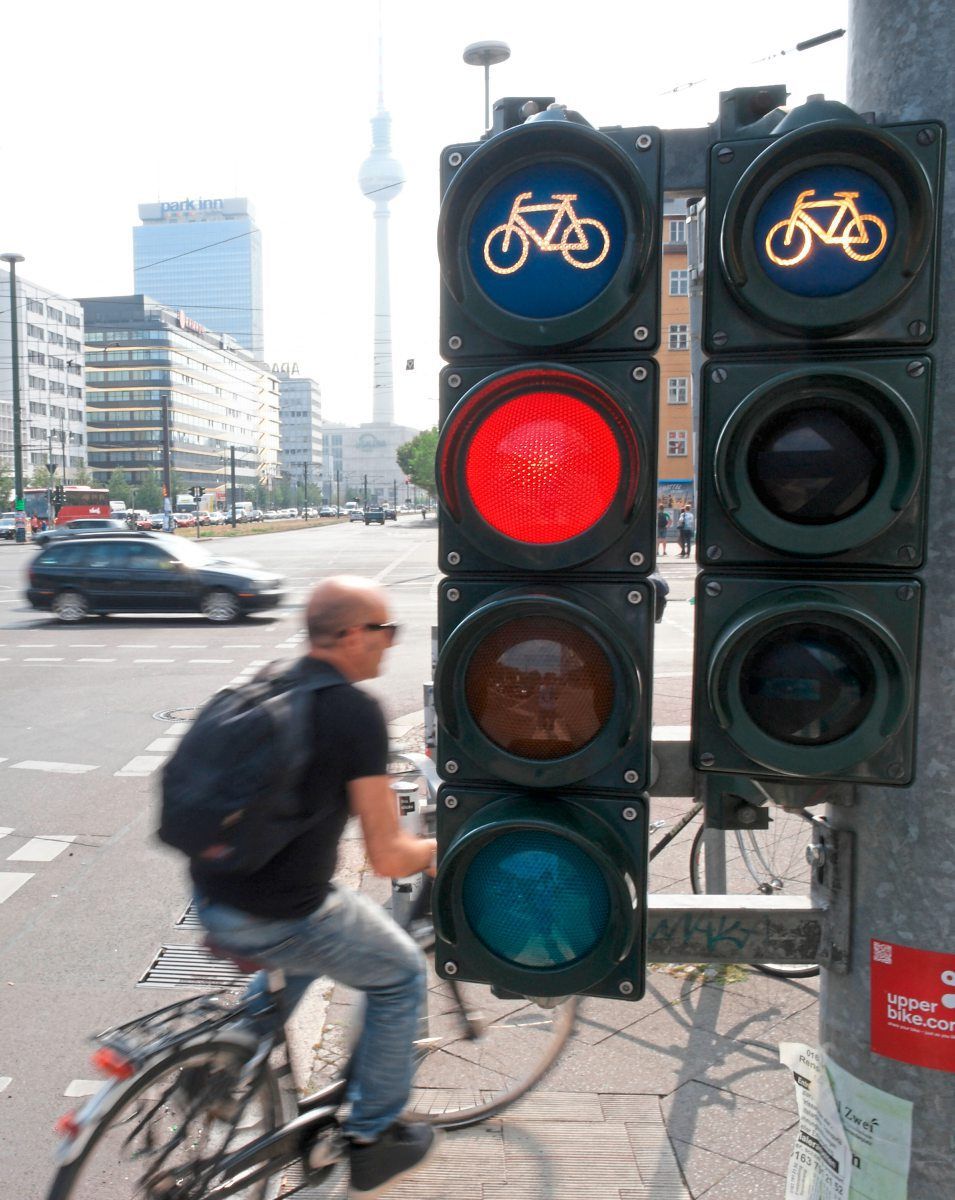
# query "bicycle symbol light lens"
(548, 238)
(541, 467)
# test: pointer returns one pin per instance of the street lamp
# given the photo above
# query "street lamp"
(18, 504)
(486, 54)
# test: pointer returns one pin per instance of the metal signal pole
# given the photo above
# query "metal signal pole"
(900, 63)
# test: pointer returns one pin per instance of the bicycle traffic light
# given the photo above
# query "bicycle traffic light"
(545, 470)
(820, 268)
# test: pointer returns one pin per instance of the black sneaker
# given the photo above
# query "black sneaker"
(399, 1151)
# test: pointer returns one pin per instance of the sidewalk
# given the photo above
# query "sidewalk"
(678, 1096)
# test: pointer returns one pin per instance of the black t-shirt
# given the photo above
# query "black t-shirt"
(351, 742)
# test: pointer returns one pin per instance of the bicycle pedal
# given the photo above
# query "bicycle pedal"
(328, 1148)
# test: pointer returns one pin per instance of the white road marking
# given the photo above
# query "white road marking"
(43, 660)
(11, 881)
(84, 1087)
(243, 646)
(4, 831)
(33, 646)
(187, 646)
(62, 768)
(4, 660)
(163, 745)
(5, 1081)
(96, 660)
(137, 645)
(142, 764)
(86, 645)
(42, 849)
(211, 660)
(153, 660)
(179, 728)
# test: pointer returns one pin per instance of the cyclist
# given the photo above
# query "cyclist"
(291, 915)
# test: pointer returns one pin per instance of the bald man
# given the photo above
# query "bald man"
(290, 914)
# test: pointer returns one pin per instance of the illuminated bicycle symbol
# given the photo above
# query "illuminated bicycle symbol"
(863, 236)
(584, 242)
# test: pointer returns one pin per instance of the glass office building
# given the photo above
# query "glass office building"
(204, 257)
(158, 383)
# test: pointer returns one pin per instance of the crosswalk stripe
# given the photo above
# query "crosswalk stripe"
(42, 849)
(142, 764)
(63, 768)
(11, 881)
(5, 1081)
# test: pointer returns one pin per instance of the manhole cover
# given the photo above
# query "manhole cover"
(176, 714)
(190, 919)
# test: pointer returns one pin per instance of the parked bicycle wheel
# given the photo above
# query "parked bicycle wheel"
(161, 1131)
(480, 1054)
(766, 862)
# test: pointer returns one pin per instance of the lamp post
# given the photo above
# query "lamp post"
(486, 54)
(18, 504)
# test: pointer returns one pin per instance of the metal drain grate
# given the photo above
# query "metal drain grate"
(177, 714)
(189, 919)
(190, 967)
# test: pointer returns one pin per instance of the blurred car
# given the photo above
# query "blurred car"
(391, 514)
(216, 518)
(146, 573)
(374, 513)
(156, 520)
(327, 511)
(8, 528)
(256, 514)
(355, 514)
(82, 525)
(184, 520)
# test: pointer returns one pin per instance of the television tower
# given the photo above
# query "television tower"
(380, 179)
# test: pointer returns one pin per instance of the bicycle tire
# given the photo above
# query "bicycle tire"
(861, 226)
(156, 1105)
(461, 1079)
(521, 237)
(768, 862)
(569, 252)
(777, 258)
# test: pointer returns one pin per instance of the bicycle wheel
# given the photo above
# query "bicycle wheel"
(480, 1054)
(594, 252)
(161, 1132)
(784, 255)
(767, 862)
(877, 237)
(506, 262)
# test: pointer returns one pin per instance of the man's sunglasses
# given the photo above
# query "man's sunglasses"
(387, 627)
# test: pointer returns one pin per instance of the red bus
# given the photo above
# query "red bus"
(80, 502)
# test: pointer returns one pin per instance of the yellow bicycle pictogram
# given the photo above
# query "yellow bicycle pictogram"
(583, 243)
(862, 237)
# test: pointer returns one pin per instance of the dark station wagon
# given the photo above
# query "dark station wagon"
(146, 573)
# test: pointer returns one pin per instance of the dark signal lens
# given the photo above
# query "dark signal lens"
(539, 687)
(543, 467)
(536, 899)
(816, 466)
(807, 685)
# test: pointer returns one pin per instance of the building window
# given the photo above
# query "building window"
(679, 337)
(37, 332)
(54, 314)
(75, 392)
(676, 230)
(73, 322)
(35, 356)
(678, 390)
(38, 409)
(57, 387)
(72, 344)
(35, 306)
(676, 443)
(35, 382)
(679, 283)
(57, 338)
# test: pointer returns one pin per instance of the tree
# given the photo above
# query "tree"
(416, 459)
(81, 476)
(149, 493)
(6, 484)
(41, 478)
(119, 489)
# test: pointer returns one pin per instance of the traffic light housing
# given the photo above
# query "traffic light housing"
(549, 246)
(819, 302)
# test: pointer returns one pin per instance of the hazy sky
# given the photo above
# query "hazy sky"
(109, 105)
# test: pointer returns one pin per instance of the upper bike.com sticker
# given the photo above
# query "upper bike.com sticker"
(913, 1005)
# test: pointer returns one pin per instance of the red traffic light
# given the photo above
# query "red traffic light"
(541, 467)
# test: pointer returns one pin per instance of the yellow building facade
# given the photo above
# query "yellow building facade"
(675, 450)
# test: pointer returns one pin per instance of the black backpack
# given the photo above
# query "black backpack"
(231, 792)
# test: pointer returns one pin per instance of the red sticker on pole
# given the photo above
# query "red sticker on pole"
(913, 1005)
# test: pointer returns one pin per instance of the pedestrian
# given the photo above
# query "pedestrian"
(289, 914)
(663, 520)
(34, 525)
(685, 527)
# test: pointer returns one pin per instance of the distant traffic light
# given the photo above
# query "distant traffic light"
(549, 245)
(821, 268)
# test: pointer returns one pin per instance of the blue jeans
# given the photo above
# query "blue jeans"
(353, 941)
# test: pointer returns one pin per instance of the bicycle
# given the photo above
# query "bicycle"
(854, 232)
(198, 1107)
(524, 232)
(765, 862)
